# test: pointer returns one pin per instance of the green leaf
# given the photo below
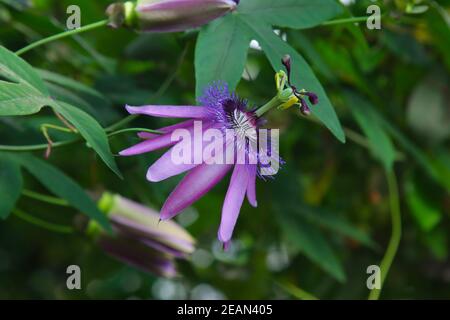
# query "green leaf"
(421, 158)
(426, 212)
(380, 143)
(91, 131)
(310, 240)
(69, 83)
(297, 14)
(221, 53)
(62, 94)
(437, 242)
(62, 186)
(23, 92)
(10, 185)
(18, 70)
(19, 99)
(302, 75)
(299, 228)
(334, 222)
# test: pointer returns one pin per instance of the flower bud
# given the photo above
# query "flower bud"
(140, 238)
(167, 15)
(313, 98)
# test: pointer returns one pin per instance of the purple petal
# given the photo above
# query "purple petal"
(139, 255)
(233, 202)
(165, 168)
(179, 15)
(193, 186)
(168, 129)
(170, 111)
(251, 187)
(162, 141)
(149, 145)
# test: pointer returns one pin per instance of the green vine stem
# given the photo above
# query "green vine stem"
(133, 130)
(42, 223)
(44, 198)
(391, 251)
(296, 291)
(37, 147)
(102, 23)
(61, 35)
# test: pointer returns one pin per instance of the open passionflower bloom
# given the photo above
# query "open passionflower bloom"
(223, 134)
(140, 238)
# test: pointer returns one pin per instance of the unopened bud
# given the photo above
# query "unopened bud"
(167, 15)
(313, 98)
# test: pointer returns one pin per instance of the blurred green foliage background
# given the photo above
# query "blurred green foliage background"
(320, 223)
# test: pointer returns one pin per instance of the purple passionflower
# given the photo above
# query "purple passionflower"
(220, 110)
(239, 128)
(167, 15)
(140, 239)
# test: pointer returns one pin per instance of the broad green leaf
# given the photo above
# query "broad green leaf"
(380, 143)
(10, 185)
(298, 14)
(302, 75)
(221, 53)
(91, 131)
(62, 94)
(62, 186)
(19, 99)
(68, 83)
(18, 70)
(23, 92)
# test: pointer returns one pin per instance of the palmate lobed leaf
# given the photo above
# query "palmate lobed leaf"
(221, 53)
(302, 75)
(222, 48)
(23, 92)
